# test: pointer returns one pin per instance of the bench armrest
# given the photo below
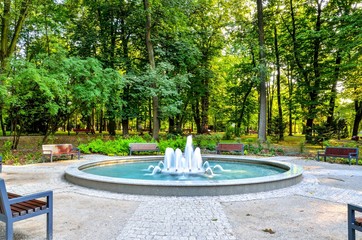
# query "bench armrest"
(47, 194)
(47, 151)
(353, 207)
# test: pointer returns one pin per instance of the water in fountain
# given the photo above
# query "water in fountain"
(188, 163)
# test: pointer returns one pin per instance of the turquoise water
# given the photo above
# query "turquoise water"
(138, 170)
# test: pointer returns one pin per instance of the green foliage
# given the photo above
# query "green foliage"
(229, 133)
(116, 147)
(176, 142)
(7, 154)
(302, 147)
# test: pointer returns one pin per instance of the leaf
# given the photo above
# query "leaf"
(268, 230)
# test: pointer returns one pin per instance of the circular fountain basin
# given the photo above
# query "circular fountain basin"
(291, 174)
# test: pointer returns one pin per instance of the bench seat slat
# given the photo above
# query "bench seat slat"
(22, 208)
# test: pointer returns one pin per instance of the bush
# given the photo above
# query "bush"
(113, 147)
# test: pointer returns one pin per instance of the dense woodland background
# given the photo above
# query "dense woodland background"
(169, 65)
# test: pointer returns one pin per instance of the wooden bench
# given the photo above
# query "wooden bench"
(230, 147)
(78, 130)
(52, 150)
(143, 147)
(187, 130)
(14, 207)
(339, 152)
(354, 223)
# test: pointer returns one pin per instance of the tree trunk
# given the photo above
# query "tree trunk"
(280, 110)
(100, 129)
(332, 101)
(262, 97)
(290, 101)
(112, 126)
(151, 58)
(357, 118)
(196, 113)
(125, 126)
(242, 110)
(2, 122)
(205, 108)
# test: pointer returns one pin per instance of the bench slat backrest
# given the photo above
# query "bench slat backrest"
(341, 151)
(230, 147)
(143, 146)
(58, 148)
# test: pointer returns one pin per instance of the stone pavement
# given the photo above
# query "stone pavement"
(313, 209)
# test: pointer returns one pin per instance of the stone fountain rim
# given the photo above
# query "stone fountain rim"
(293, 175)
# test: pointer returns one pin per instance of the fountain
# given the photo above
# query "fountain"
(177, 174)
(188, 163)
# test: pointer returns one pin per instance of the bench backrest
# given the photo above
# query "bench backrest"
(5, 210)
(230, 147)
(143, 146)
(341, 151)
(58, 148)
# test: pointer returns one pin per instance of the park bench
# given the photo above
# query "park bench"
(230, 147)
(187, 131)
(143, 147)
(14, 207)
(78, 130)
(52, 150)
(354, 223)
(339, 152)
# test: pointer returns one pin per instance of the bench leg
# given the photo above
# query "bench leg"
(50, 225)
(9, 231)
(351, 231)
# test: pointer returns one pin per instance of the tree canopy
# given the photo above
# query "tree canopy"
(277, 67)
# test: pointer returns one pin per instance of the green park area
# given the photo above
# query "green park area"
(265, 88)
(29, 150)
(281, 77)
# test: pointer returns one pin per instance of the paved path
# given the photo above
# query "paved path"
(312, 209)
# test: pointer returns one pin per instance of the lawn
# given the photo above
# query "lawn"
(29, 148)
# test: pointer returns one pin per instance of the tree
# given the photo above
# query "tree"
(10, 36)
(262, 74)
(151, 59)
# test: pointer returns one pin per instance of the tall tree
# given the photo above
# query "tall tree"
(262, 74)
(9, 36)
(151, 59)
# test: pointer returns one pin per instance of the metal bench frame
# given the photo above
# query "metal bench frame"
(15, 208)
(352, 224)
(348, 153)
(143, 147)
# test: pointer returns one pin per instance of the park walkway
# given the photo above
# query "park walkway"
(312, 209)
